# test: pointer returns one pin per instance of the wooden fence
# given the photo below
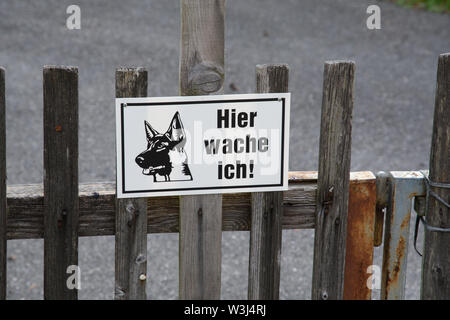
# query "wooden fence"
(340, 205)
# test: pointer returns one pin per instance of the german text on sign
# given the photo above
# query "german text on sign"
(202, 144)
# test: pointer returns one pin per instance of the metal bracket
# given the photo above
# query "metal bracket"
(404, 186)
(382, 199)
(419, 205)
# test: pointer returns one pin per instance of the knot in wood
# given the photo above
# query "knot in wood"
(131, 213)
(337, 221)
(437, 269)
(130, 208)
(324, 295)
(200, 212)
(205, 78)
(140, 258)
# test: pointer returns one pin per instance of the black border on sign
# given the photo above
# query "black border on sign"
(201, 102)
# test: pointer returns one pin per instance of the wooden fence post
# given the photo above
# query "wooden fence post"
(436, 254)
(267, 210)
(201, 73)
(60, 180)
(333, 181)
(131, 214)
(3, 212)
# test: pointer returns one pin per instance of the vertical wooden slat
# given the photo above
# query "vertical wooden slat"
(436, 256)
(60, 179)
(201, 73)
(267, 210)
(131, 216)
(2, 186)
(333, 181)
(200, 247)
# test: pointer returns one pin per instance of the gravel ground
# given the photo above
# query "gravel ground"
(392, 121)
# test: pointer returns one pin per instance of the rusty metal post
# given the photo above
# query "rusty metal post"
(404, 186)
(360, 235)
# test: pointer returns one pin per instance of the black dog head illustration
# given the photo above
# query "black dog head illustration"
(165, 155)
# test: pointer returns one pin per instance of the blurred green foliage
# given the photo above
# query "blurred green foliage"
(431, 5)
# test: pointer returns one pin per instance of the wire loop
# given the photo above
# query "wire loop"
(428, 185)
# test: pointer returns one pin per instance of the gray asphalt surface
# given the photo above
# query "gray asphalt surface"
(392, 120)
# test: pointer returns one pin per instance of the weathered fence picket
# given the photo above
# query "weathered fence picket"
(267, 210)
(3, 212)
(436, 256)
(333, 181)
(60, 179)
(201, 73)
(131, 214)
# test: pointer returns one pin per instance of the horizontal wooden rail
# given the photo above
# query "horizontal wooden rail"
(97, 208)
